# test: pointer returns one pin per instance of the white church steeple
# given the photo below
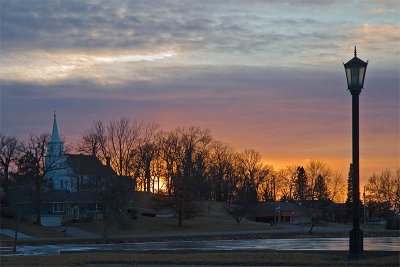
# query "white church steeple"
(55, 148)
(56, 160)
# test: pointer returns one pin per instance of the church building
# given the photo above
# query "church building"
(72, 172)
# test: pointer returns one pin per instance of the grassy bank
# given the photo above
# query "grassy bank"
(263, 258)
(153, 225)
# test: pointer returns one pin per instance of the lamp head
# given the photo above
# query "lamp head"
(355, 73)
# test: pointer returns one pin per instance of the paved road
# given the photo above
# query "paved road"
(326, 244)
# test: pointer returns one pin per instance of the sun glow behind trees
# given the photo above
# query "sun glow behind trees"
(161, 160)
(190, 162)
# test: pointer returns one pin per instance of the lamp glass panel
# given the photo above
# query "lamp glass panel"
(361, 76)
(348, 75)
(354, 76)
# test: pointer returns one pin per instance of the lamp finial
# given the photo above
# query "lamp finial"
(355, 51)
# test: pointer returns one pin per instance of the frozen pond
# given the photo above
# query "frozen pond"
(333, 244)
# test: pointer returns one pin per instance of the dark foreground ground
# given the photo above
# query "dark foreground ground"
(251, 258)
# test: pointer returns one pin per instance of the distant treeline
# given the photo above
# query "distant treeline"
(190, 160)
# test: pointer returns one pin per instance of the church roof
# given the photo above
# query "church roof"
(55, 138)
(88, 165)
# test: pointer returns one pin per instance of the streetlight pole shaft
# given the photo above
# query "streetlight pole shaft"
(356, 164)
(356, 234)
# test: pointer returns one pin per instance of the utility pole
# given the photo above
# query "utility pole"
(16, 230)
(66, 210)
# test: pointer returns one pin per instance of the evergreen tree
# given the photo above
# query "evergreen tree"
(321, 189)
(349, 200)
(301, 192)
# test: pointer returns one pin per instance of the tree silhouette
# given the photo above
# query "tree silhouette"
(349, 199)
(383, 194)
(32, 167)
(9, 152)
(321, 189)
(301, 192)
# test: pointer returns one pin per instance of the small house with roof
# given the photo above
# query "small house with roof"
(274, 212)
(56, 205)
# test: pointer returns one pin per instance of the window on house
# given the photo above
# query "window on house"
(92, 207)
(58, 207)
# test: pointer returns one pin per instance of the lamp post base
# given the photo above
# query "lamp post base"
(356, 244)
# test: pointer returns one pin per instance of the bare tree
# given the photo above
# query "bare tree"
(249, 176)
(32, 166)
(123, 136)
(251, 169)
(397, 191)
(221, 170)
(148, 151)
(191, 141)
(288, 178)
(383, 193)
(9, 151)
(108, 195)
(168, 143)
(241, 200)
(182, 151)
(336, 187)
(270, 183)
(313, 170)
(94, 141)
(157, 171)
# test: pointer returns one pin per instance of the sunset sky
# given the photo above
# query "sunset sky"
(266, 75)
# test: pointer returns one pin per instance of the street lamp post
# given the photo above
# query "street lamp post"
(355, 74)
